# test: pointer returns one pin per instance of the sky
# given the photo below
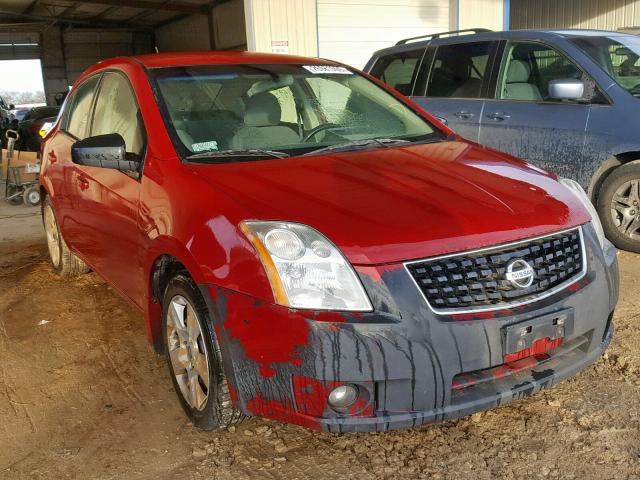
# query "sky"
(20, 76)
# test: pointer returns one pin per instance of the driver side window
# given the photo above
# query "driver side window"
(117, 112)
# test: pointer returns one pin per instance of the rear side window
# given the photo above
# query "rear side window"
(460, 71)
(117, 112)
(77, 119)
(398, 70)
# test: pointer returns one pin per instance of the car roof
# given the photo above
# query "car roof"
(174, 59)
(541, 34)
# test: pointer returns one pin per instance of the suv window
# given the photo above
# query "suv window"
(77, 120)
(117, 112)
(398, 69)
(460, 70)
(527, 69)
(619, 56)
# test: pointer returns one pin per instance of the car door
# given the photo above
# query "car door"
(457, 84)
(61, 172)
(109, 198)
(524, 121)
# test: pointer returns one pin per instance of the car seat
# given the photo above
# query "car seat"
(262, 127)
(517, 86)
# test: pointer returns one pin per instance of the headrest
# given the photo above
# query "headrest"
(262, 110)
(518, 72)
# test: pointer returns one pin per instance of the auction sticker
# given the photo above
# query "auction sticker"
(327, 69)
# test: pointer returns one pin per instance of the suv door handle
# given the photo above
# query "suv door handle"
(498, 116)
(52, 156)
(464, 114)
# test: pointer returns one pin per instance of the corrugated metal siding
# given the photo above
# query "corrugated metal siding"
(83, 48)
(190, 33)
(19, 46)
(596, 14)
(481, 14)
(282, 25)
(351, 30)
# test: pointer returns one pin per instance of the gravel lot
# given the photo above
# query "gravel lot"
(83, 396)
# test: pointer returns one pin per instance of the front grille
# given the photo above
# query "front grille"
(476, 280)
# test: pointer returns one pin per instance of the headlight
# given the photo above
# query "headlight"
(305, 269)
(581, 195)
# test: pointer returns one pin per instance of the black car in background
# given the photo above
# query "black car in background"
(31, 125)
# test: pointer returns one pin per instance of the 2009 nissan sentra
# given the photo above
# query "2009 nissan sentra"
(308, 246)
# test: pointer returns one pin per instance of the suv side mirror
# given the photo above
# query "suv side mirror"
(105, 151)
(12, 106)
(566, 89)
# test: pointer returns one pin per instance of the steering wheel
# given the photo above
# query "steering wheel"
(320, 128)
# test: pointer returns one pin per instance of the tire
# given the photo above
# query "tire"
(64, 262)
(619, 207)
(31, 196)
(203, 393)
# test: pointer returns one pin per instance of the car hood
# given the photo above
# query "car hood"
(387, 205)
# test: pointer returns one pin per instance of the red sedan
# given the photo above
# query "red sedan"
(307, 245)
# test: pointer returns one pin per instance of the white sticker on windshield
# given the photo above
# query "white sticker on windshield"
(204, 146)
(327, 69)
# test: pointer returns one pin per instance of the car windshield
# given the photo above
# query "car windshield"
(271, 111)
(618, 55)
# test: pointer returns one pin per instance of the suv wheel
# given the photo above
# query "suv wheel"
(619, 207)
(65, 263)
(193, 356)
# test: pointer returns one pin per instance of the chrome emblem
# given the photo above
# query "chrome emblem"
(520, 274)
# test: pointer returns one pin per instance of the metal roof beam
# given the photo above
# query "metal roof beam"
(73, 21)
(153, 5)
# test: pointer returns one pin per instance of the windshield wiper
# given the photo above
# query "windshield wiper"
(254, 152)
(355, 144)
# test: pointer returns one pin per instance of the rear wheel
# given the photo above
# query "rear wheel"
(193, 356)
(64, 262)
(619, 207)
(31, 196)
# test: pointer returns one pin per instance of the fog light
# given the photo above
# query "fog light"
(343, 397)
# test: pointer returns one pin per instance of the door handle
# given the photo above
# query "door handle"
(464, 114)
(52, 156)
(498, 116)
(83, 182)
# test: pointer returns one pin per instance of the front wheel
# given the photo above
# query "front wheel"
(619, 207)
(193, 356)
(65, 263)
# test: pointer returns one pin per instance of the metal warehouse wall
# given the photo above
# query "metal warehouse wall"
(597, 14)
(481, 14)
(282, 26)
(222, 29)
(83, 48)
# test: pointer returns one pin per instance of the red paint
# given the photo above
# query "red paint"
(511, 368)
(269, 335)
(281, 412)
(541, 345)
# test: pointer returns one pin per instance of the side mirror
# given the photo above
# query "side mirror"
(566, 89)
(104, 151)
(12, 106)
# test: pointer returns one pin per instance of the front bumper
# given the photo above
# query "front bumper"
(413, 366)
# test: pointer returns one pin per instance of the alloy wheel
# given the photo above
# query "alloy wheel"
(53, 236)
(625, 209)
(187, 351)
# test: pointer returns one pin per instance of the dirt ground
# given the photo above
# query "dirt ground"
(83, 396)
